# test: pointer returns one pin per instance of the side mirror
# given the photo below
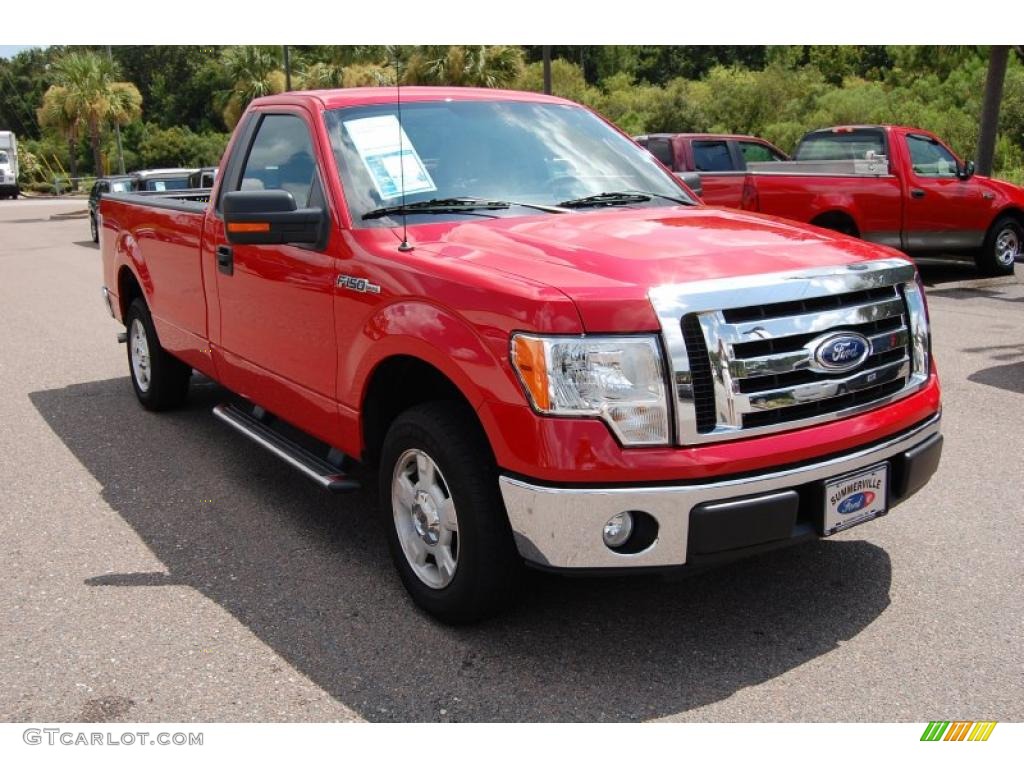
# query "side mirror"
(965, 171)
(692, 180)
(270, 217)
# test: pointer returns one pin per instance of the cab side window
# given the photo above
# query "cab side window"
(712, 156)
(281, 157)
(756, 152)
(661, 148)
(929, 158)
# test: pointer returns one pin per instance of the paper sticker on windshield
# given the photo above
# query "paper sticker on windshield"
(377, 141)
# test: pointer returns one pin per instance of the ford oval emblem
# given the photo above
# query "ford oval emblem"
(840, 352)
(855, 503)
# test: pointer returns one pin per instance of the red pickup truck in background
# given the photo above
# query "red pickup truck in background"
(717, 161)
(547, 350)
(893, 185)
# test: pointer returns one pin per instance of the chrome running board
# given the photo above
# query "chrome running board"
(319, 470)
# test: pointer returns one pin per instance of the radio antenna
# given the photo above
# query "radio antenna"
(404, 245)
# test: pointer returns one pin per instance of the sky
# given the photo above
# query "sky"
(7, 51)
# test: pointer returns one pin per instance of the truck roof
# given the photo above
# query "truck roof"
(866, 126)
(157, 172)
(353, 97)
(727, 136)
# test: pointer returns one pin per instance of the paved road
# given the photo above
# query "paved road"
(162, 568)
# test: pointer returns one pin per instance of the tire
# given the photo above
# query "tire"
(159, 379)
(1003, 245)
(465, 574)
(93, 229)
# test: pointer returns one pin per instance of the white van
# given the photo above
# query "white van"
(8, 165)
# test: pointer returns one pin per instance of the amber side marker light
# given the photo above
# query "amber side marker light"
(528, 357)
(247, 226)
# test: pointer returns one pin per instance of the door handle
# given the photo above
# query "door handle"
(918, 193)
(225, 259)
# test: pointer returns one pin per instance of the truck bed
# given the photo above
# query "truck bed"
(175, 200)
(161, 234)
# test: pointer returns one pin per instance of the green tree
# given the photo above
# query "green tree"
(94, 98)
(318, 75)
(487, 66)
(254, 71)
(58, 114)
(177, 82)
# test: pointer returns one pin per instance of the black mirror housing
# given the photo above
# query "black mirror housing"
(270, 217)
(966, 170)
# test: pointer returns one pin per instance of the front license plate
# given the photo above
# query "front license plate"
(855, 498)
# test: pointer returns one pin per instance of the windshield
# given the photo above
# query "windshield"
(845, 144)
(520, 152)
(162, 185)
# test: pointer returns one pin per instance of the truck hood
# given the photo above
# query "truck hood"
(607, 261)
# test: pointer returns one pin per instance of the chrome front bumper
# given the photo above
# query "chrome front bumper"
(561, 528)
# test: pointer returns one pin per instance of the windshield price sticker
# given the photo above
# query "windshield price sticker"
(387, 158)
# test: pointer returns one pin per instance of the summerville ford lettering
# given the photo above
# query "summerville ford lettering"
(546, 353)
(871, 483)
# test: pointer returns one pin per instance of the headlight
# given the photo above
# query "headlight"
(920, 334)
(619, 379)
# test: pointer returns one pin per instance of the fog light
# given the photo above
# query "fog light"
(618, 530)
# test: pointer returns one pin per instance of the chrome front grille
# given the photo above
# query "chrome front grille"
(743, 350)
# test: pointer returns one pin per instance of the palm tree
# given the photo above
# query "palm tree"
(94, 97)
(320, 75)
(54, 114)
(254, 71)
(487, 66)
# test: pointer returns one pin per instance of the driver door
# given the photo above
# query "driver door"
(277, 332)
(943, 212)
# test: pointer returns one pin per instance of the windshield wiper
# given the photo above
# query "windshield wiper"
(625, 197)
(438, 205)
(455, 205)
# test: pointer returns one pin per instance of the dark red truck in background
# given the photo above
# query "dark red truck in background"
(893, 185)
(716, 162)
(547, 350)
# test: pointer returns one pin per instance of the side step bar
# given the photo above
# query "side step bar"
(323, 472)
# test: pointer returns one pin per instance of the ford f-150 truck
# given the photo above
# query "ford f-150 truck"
(547, 350)
(715, 162)
(904, 188)
(898, 186)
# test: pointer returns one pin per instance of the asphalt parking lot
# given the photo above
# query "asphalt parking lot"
(162, 568)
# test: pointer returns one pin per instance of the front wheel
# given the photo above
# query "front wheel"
(159, 379)
(447, 529)
(93, 229)
(1002, 247)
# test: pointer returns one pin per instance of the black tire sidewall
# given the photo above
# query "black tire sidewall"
(989, 263)
(93, 229)
(168, 377)
(487, 565)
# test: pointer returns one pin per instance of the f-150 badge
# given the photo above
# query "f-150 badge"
(358, 284)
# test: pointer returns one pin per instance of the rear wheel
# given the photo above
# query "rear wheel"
(1002, 247)
(447, 529)
(159, 379)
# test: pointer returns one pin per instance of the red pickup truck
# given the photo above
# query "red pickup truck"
(717, 160)
(898, 186)
(547, 350)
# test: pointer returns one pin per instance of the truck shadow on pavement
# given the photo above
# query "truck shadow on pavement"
(309, 575)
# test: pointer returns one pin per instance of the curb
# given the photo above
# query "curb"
(83, 214)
